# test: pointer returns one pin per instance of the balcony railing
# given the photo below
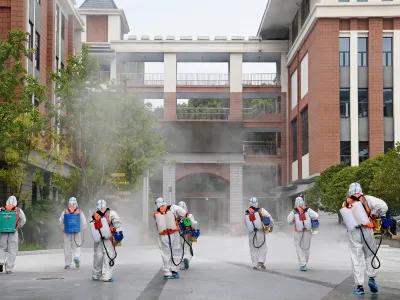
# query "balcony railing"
(140, 79)
(261, 79)
(214, 79)
(202, 113)
(261, 148)
(272, 106)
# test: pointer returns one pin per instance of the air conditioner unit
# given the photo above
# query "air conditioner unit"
(145, 38)
(254, 38)
(170, 38)
(220, 38)
(132, 37)
(203, 38)
(237, 38)
(186, 38)
(158, 38)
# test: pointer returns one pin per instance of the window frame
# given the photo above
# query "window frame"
(37, 50)
(362, 56)
(387, 55)
(305, 146)
(30, 39)
(342, 90)
(344, 55)
(365, 156)
(389, 112)
(344, 157)
(295, 153)
(362, 104)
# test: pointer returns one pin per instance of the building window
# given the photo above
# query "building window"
(37, 51)
(62, 26)
(30, 41)
(344, 103)
(344, 0)
(305, 131)
(363, 152)
(294, 139)
(344, 51)
(387, 51)
(388, 146)
(57, 63)
(35, 102)
(62, 66)
(362, 52)
(305, 11)
(345, 153)
(362, 0)
(362, 103)
(388, 103)
(295, 27)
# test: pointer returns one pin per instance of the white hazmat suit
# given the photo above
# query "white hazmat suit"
(9, 241)
(172, 241)
(73, 241)
(361, 256)
(302, 240)
(101, 261)
(256, 239)
(187, 256)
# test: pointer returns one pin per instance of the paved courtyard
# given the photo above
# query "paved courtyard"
(221, 269)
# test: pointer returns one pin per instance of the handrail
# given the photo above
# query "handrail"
(217, 79)
(261, 148)
(138, 79)
(261, 79)
(202, 113)
(274, 107)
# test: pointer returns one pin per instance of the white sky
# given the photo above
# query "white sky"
(195, 18)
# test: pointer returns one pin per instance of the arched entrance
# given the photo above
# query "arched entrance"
(207, 198)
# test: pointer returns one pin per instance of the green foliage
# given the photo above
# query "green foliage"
(24, 129)
(250, 103)
(112, 132)
(377, 176)
(385, 184)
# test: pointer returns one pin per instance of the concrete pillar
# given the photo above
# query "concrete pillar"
(170, 69)
(396, 85)
(113, 68)
(354, 98)
(236, 86)
(236, 193)
(169, 183)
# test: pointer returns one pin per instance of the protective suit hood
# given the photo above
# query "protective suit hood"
(72, 202)
(355, 188)
(160, 202)
(101, 204)
(12, 200)
(183, 205)
(299, 202)
(253, 202)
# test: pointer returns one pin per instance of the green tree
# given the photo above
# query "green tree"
(385, 183)
(26, 135)
(110, 132)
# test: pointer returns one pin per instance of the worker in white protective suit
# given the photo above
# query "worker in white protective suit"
(362, 238)
(73, 241)
(257, 239)
(9, 241)
(187, 247)
(104, 251)
(302, 239)
(169, 240)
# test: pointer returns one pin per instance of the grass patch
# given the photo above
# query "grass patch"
(30, 247)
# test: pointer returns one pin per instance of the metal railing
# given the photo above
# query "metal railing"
(272, 106)
(214, 79)
(140, 79)
(202, 113)
(261, 148)
(261, 79)
(104, 75)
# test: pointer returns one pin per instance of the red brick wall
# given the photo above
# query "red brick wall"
(221, 170)
(5, 22)
(236, 107)
(43, 42)
(322, 99)
(375, 87)
(284, 145)
(169, 106)
(97, 28)
(66, 41)
(18, 15)
(70, 36)
(51, 12)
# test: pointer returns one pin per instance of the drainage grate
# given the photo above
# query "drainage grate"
(50, 278)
